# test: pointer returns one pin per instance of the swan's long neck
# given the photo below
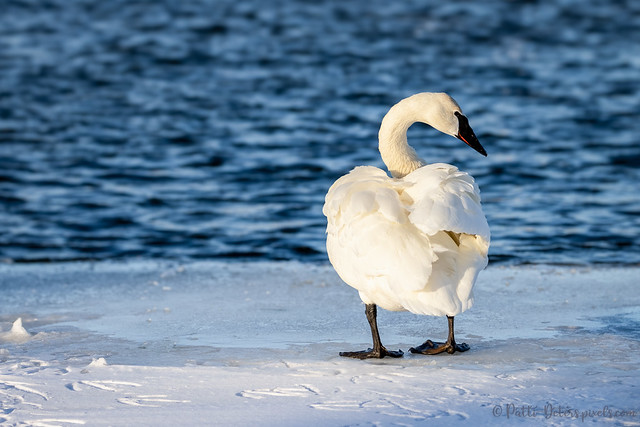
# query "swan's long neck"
(400, 158)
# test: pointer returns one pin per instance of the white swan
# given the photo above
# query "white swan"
(416, 241)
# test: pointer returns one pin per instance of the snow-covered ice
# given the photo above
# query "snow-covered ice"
(17, 334)
(158, 343)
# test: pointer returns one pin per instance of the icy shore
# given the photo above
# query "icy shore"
(158, 343)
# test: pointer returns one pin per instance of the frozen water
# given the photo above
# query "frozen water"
(258, 342)
(17, 334)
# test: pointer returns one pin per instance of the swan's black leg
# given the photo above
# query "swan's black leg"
(378, 351)
(429, 347)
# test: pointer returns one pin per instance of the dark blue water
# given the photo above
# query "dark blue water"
(213, 128)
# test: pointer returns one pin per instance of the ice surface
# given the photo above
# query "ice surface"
(257, 343)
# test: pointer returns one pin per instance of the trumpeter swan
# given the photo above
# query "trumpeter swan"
(416, 241)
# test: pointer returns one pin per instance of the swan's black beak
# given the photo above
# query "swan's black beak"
(465, 133)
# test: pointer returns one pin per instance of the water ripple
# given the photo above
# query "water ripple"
(205, 129)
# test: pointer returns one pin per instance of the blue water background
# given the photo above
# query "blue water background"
(213, 128)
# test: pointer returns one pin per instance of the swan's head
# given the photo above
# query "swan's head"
(442, 112)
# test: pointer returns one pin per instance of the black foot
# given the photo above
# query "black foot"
(430, 347)
(371, 354)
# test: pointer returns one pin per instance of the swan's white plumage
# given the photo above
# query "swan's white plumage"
(387, 237)
(445, 198)
(413, 243)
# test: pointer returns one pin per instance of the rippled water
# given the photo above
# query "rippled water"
(207, 129)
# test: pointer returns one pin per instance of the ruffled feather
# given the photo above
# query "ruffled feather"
(416, 243)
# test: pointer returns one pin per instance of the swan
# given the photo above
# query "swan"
(416, 241)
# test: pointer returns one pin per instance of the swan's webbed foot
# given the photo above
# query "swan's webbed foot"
(378, 351)
(372, 353)
(429, 347)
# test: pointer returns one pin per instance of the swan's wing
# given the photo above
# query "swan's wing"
(445, 205)
(370, 241)
(442, 198)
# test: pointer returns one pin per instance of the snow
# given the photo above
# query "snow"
(159, 343)
(17, 334)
